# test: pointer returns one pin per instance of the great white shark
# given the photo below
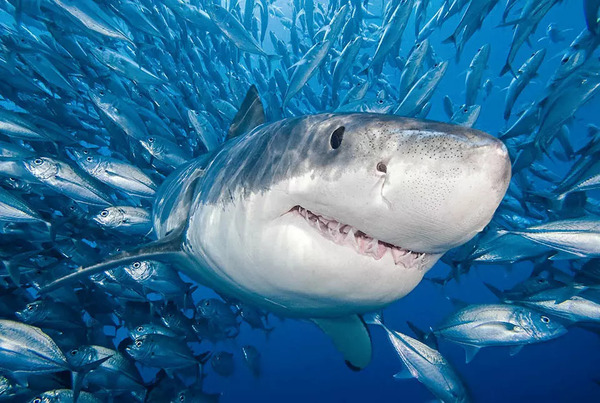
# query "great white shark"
(324, 217)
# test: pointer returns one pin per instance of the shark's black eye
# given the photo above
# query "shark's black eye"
(336, 137)
(381, 167)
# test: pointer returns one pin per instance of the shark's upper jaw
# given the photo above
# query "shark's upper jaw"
(359, 241)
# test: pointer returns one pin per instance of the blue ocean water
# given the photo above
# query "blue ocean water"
(298, 361)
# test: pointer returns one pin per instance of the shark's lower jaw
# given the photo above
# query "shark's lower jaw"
(363, 244)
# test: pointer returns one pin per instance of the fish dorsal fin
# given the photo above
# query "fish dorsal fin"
(470, 352)
(250, 115)
(351, 337)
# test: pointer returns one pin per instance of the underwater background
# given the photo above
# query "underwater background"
(298, 362)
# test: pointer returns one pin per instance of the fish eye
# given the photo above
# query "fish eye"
(206, 303)
(30, 307)
(151, 139)
(565, 60)
(336, 137)
(140, 328)
(545, 319)
(37, 400)
(181, 397)
(38, 161)
(136, 265)
(89, 159)
(479, 50)
(138, 343)
(435, 65)
(380, 101)
(101, 92)
(12, 179)
(541, 281)
(104, 213)
(74, 351)
(466, 110)
(381, 167)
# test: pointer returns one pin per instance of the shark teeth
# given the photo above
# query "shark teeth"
(343, 234)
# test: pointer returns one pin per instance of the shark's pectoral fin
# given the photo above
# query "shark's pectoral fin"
(167, 249)
(250, 115)
(351, 337)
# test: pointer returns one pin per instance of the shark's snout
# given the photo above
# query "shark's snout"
(496, 162)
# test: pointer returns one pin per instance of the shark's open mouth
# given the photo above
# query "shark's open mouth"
(343, 234)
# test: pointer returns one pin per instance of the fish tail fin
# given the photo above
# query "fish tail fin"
(202, 358)
(188, 301)
(506, 68)
(437, 280)
(450, 39)
(167, 247)
(425, 337)
(499, 294)
(79, 373)
(12, 264)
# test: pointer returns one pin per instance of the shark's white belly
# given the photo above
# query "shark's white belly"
(242, 256)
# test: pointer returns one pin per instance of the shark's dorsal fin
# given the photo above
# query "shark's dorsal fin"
(250, 115)
(165, 249)
(351, 337)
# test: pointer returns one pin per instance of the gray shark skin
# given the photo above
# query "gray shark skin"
(326, 216)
